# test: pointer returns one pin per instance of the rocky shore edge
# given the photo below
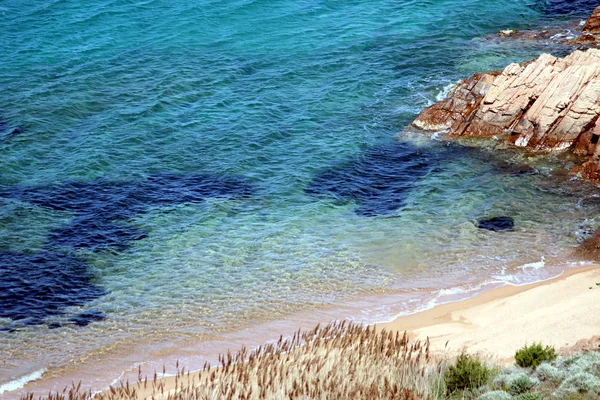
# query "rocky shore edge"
(545, 105)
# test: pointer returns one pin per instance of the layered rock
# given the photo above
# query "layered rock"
(592, 25)
(548, 104)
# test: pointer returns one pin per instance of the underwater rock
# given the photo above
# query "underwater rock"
(548, 104)
(496, 224)
(565, 7)
(379, 181)
(569, 33)
(5, 136)
(34, 287)
(17, 131)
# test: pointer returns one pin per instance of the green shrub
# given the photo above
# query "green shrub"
(495, 395)
(520, 384)
(549, 373)
(528, 396)
(582, 382)
(506, 376)
(468, 373)
(534, 355)
(587, 362)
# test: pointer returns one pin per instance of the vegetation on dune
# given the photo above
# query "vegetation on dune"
(337, 361)
(468, 373)
(534, 355)
(348, 361)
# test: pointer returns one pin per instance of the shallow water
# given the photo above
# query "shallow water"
(219, 167)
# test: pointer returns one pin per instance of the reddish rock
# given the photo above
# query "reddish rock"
(585, 38)
(590, 248)
(592, 25)
(548, 104)
(463, 99)
(582, 346)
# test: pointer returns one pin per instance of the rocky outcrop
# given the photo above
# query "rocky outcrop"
(548, 104)
(592, 25)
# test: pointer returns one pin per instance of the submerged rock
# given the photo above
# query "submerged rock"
(572, 33)
(564, 7)
(548, 104)
(496, 224)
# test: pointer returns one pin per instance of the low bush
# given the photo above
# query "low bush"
(549, 373)
(582, 382)
(534, 355)
(528, 396)
(519, 385)
(495, 395)
(468, 373)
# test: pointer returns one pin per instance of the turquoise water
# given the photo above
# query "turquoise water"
(268, 95)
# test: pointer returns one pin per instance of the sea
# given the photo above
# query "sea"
(182, 178)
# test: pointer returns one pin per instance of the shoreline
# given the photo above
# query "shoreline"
(558, 311)
(458, 322)
(430, 322)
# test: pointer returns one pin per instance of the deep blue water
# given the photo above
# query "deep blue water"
(189, 167)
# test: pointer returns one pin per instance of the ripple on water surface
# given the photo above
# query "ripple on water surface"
(180, 170)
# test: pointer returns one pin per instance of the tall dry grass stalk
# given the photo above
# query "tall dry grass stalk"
(340, 360)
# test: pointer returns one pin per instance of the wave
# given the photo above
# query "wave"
(22, 381)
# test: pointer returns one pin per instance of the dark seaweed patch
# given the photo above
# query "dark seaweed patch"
(95, 234)
(379, 181)
(86, 318)
(34, 287)
(98, 204)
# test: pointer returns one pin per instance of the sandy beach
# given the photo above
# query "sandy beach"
(557, 312)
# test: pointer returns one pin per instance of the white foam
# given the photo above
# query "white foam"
(445, 91)
(439, 134)
(454, 290)
(22, 381)
(536, 265)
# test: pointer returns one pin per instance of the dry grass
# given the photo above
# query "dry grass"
(338, 361)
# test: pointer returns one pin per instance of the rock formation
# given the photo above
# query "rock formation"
(592, 25)
(548, 104)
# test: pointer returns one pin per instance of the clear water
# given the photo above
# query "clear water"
(102, 95)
